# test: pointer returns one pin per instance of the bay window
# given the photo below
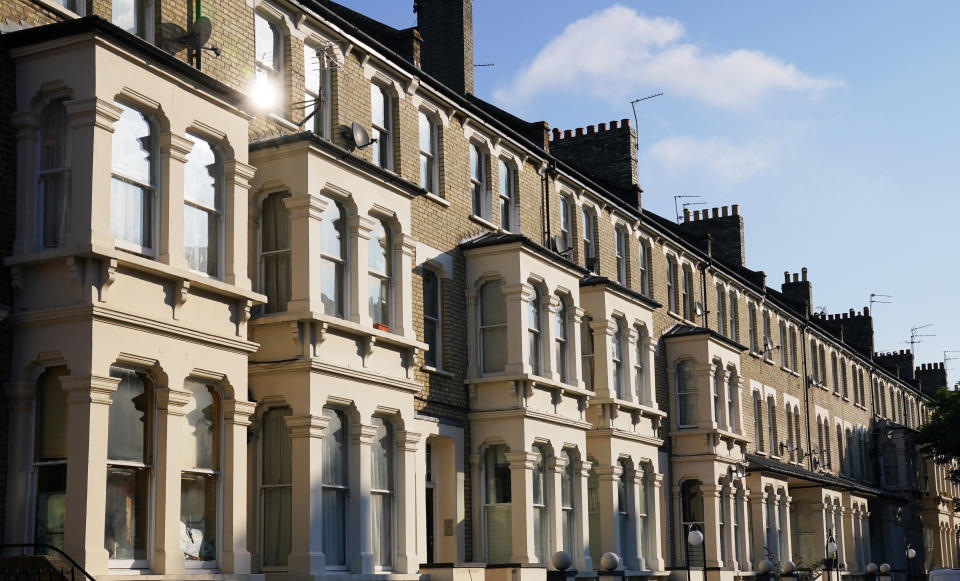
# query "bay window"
(129, 466)
(540, 504)
(133, 182)
(497, 507)
(560, 340)
(200, 473)
(334, 258)
(382, 490)
(203, 208)
(276, 488)
(568, 517)
(380, 283)
(686, 394)
(624, 498)
(534, 331)
(381, 116)
(53, 175)
(586, 352)
(432, 330)
(428, 152)
(50, 458)
(616, 358)
(493, 328)
(335, 488)
(275, 252)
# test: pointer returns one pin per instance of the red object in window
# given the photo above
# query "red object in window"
(381, 327)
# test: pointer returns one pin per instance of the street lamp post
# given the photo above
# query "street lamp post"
(831, 550)
(910, 553)
(695, 538)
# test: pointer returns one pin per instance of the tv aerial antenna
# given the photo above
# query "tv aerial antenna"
(479, 65)
(946, 357)
(874, 299)
(916, 336)
(326, 60)
(685, 205)
(633, 104)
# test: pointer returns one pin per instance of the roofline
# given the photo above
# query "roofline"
(695, 331)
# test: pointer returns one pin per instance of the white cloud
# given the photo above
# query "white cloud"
(714, 159)
(617, 53)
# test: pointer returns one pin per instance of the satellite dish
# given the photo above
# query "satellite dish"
(202, 29)
(699, 308)
(767, 344)
(360, 136)
(741, 472)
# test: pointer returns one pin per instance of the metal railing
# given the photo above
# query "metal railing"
(50, 572)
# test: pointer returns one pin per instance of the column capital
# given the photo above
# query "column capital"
(475, 461)
(364, 434)
(520, 291)
(176, 146)
(94, 111)
(172, 400)
(238, 172)
(89, 388)
(406, 244)
(239, 411)
(19, 394)
(521, 460)
(26, 123)
(577, 314)
(583, 468)
(307, 426)
(362, 226)
(608, 473)
(305, 206)
(408, 441)
(557, 464)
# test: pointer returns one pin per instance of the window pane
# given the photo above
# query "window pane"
(431, 293)
(125, 531)
(379, 249)
(265, 41)
(334, 492)
(200, 240)
(331, 287)
(426, 133)
(51, 504)
(493, 308)
(128, 15)
(379, 293)
(198, 517)
(54, 145)
(200, 174)
(275, 223)
(334, 448)
(475, 166)
(333, 230)
(132, 142)
(382, 455)
(129, 421)
(311, 69)
(131, 213)
(378, 106)
(494, 349)
(276, 447)
(497, 474)
(199, 446)
(426, 172)
(503, 172)
(51, 416)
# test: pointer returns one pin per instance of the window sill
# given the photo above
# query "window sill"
(59, 9)
(436, 371)
(484, 222)
(437, 199)
(755, 355)
(342, 325)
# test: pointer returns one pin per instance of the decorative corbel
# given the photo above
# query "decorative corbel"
(472, 389)
(413, 85)
(181, 293)
(243, 316)
(412, 361)
(108, 276)
(321, 332)
(294, 331)
(635, 417)
(368, 344)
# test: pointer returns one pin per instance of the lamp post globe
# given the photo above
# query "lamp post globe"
(695, 538)
(911, 552)
(831, 546)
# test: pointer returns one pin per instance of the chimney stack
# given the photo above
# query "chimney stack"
(855, 329)
(726, 229)
(932, 376)
(798, 292)
(447, 50)
(607, 155)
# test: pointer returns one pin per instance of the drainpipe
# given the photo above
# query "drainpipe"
(806, 386)
(703, 281)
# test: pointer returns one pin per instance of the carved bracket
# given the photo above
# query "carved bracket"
(181, 293)
(368, 344)
(108, 275)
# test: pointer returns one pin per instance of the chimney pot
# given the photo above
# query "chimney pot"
(556, 133)
(686, 214)
(696, 215)
(723, 211)
(736, 209)
(625, 123)
(613, 125)
(579, 131)
(796, 277)
(590, 129)
(716, 212)
(786, 276)
(803, 272)
(866, 311)
(567, 133)
(601, 126)
(852, 312)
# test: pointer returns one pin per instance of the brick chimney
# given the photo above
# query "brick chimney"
(725, 227)
(897, 362)
(854, 329)
(447, 50)
(799, 291)
(606, 154)
(932, 376)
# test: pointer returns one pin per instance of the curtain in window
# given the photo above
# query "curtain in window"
(275, 484)
(586, 352)
(493, 327)
(54, 173)
(624, 498)
(203, 207)
(335, 488)
(275, 252)
(381, 489)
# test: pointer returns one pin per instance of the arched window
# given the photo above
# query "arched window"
(738, 503)
(863, 390)
(493, 328)
(672, 285)
(823, 365)
(691, 508)
(767, 336)
(129, 468)
(586, 352)
(589, 228)
(336, 488)
(50, 457)
(734, 312)
(814, 370)
(478, 182)
(200, 473)
(534, 331)
(268, 59)
(382, 492)
(317, 89)
(497, 507)
(276, 487)
(772, 435)
(616, 358)
(275, 252)
(566, 225)
(643, 268)
(723, 522)
(835, 373)
(843, 377)
(508, 195)
(797, 437)
(541, 504)
(758, 421)
(771, 524)
(828, 462)
(790, 443)
(688, 295)
(561, 343)
(624, 520)
(718, 397)
(820, 442)
(784, 346)
(721, 310)
(334, 259)
(620, 239)
(794, 363)
(203, 207)
(53, 174)
(432, 324)
(381, 120)
(643, 517)
(733, 401)
(133, 197)
(568, 503)
(428, 152)
(640, 366)
(686, 395)
(883, 400)
(840, 450)
(380, 283)
(752, 328)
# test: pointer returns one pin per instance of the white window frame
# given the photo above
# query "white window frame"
(480, 202)
(436, 322)
(688, 391)
(561, 341)
(272, 72)
(566, 223)
(535, 331)
(430, 181)
(215, 473)
(320, 96)
(588, 223)
(382, 152)
(153, 189)
(387, 277)
(643, 270)
(265, 254)
(219, 211)
(344, 261)
(620, 246)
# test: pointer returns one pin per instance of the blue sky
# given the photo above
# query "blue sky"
(834, 125)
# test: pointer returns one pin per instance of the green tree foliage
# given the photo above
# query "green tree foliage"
(939, 437)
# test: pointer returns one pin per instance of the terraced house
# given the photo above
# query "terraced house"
(281, 297)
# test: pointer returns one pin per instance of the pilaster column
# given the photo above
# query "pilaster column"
(637, 482)
(306, 523)
(603, 331)
(517, 297)
(237, 183)
(609, 477)
(849, 548)
(402, 323)
(556, 465)
(711, 524)
(361, 558)
(521, 505)
(20, 397)
(167, 556)
(476, 505)
(407, 502)
(745, 562)
(235, 558)
(173, 156)
(786, 527)
(574, 320)
(27, 125)
(88, 418)
(306, 279)
(91, 152)
(728, 498)
(581, 557)
(656, 536)
(758, 516)
(627, 359)
(360, 229)
(548, 336)
(649, 389)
